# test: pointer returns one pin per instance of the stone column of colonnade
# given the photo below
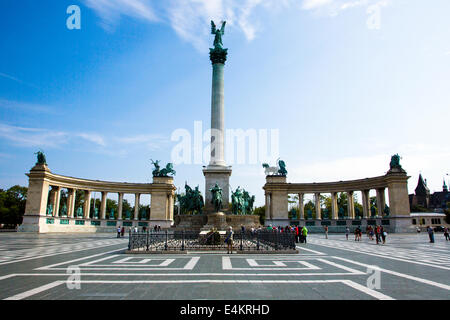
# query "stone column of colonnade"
(55, 195)
(365, 203)
(87, 204)
(120, 206)
(317, 205)
(268, 207)
(334, 206)
(136, 206)
(301, 206)
(71, 202)
(350, 205)
(381, 201)
(103, 205)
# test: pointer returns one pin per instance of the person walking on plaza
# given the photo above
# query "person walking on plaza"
(297, 234)
(383, 234)
(430, 234)
(118, 232)
(122, 231)
(446, 234)
(304, 233)
(229, 240)
(377, 233)
(347, 231)
(371, 233)
(357, 234)
(326, 232)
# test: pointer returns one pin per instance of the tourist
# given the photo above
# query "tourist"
(446, 234)
(135, 229)
(122, 231)
(347, 231)
(377, 234)
(371, 233)
(356, 234)
(360, 234)
(242, 228)
(382, 234)
(297, 234)
(229, 240)
(304, 233)
(118, 232)
(430, 234)
(326, 232)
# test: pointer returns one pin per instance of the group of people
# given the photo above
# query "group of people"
(121, 230)
(379, 233)
(431, 234)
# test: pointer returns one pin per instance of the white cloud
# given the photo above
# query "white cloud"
(190, 19)
(92, 137)
(9, 104)
(314, 4)
(112, 10)
(32, 137)
(150, 141)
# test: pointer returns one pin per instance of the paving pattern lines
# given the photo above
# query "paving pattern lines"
(417, 256)
(54, 284)
(8, 257)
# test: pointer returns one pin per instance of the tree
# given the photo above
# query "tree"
(261, 212)
(309, 206)
(12, 205)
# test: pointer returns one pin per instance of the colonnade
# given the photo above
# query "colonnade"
(45, 188)
(395, 182)
(380, 196)
(55, 200)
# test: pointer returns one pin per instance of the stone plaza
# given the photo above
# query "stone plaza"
(94, 266)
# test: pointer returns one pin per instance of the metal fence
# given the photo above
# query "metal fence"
(193, 240)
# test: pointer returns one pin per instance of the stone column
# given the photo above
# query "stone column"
(334, 206)
(171, 203)
(57, 201)
(350, 205)
(87, 204)
(268, 206)
(217, 171)
(317, 206)
(103, 205)
(301, 206)
(136, 206)
(71, 202)
(381, 201)
(52, 200)
(217, 115)
(365, 203)
(119, 217)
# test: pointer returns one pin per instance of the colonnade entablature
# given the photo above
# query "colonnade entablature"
(277, 190)
(44, 206)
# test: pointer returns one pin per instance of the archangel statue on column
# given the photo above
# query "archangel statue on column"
(218, 34)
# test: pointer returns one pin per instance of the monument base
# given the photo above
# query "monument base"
(221, 176)
(217, 220)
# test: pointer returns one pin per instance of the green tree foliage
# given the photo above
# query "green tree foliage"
(261, 212)
(310, 206)
(12, 205)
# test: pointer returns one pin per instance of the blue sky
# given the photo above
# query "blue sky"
(344, 93)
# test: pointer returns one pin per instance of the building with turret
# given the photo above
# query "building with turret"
(422, 197)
